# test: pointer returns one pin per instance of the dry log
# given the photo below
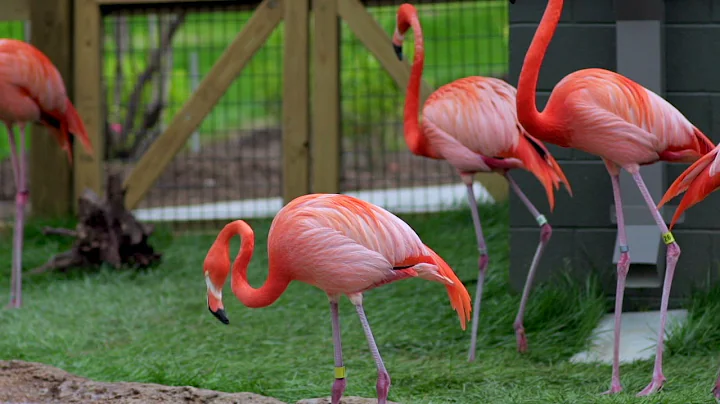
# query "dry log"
(106, 233)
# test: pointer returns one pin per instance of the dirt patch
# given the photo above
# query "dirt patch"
(35, 383)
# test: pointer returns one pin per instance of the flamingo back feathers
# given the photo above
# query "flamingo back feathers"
(479, 112)
(622, 121)
(346, 245)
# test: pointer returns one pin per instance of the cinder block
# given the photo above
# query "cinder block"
(599, 11)
(697, 108)
(715, 10)
(683, 11)
(532, 11)
(690, 58)
(589, 207)
(574, 47)
(586, 251)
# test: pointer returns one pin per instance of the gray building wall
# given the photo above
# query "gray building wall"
(583, 234)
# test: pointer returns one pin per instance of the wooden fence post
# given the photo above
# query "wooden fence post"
(296, 94)
(88, 170)
(326, 99)
(50, 170)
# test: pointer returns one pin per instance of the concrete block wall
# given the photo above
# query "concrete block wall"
(584, 236)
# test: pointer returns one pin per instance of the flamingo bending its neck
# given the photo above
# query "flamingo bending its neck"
(608, 115)
(471, 123)
(32, 90)
(337, 243)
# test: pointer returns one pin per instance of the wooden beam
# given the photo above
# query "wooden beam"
(227, 68)
(379, 42)
(16, 10)
(88, 170)
(296, 98)
(326, 99)
(50, 170)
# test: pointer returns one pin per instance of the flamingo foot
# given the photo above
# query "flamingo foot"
(14, 304)
(655, 385)
(615, 388)
(383, 387)
(716, 392)
(522, 345)
(338, 389)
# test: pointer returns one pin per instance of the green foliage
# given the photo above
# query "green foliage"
(153, 326)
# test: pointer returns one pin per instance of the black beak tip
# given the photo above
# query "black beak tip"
(220, 315)
(512, 1)
(398, 51)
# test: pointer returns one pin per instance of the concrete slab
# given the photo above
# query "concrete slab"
(397, 200)
(638, 336)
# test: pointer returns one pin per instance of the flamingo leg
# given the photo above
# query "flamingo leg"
(622, 270)
(716, 389)
(21, 198)
(383, 381)
(340, 382)
(545, 234)
(482, 264)
(673, 253)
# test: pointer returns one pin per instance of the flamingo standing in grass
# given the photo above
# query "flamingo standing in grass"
(32, 90)
(697, 182)
(471, 123)
(337, 243)
(608, 115)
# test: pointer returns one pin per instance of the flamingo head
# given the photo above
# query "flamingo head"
(216, 271)
(404, 15)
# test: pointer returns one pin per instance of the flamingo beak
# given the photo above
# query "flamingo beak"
(214, 302)
(398, 51)
(512, 1)
(220, 315)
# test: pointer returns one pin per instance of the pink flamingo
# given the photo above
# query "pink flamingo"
(339, 244)
(471, 123)
(697, 181)
(32, 90)
(608, 115)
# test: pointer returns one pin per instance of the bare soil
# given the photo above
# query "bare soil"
(35, 383)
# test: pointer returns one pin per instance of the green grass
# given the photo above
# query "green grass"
(153, 326)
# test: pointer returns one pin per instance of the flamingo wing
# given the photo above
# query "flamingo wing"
(627, 121)
(478, 112)
(345, 245)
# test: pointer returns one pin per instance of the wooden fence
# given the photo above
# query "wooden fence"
(311, 157)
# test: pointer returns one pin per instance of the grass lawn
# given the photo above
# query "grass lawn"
(154, 326)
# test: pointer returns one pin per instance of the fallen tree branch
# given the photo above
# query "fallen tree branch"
(106, 233)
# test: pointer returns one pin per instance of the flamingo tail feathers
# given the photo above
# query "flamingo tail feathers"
(459, 296)
(698, 181)
(63, 125)
(706, 145)
(543, 165)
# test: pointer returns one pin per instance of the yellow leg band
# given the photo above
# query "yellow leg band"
(668, 238)
(340, 372)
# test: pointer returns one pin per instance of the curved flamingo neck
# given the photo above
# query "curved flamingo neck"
(530, 118)
(414, 138)
(273, 287)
